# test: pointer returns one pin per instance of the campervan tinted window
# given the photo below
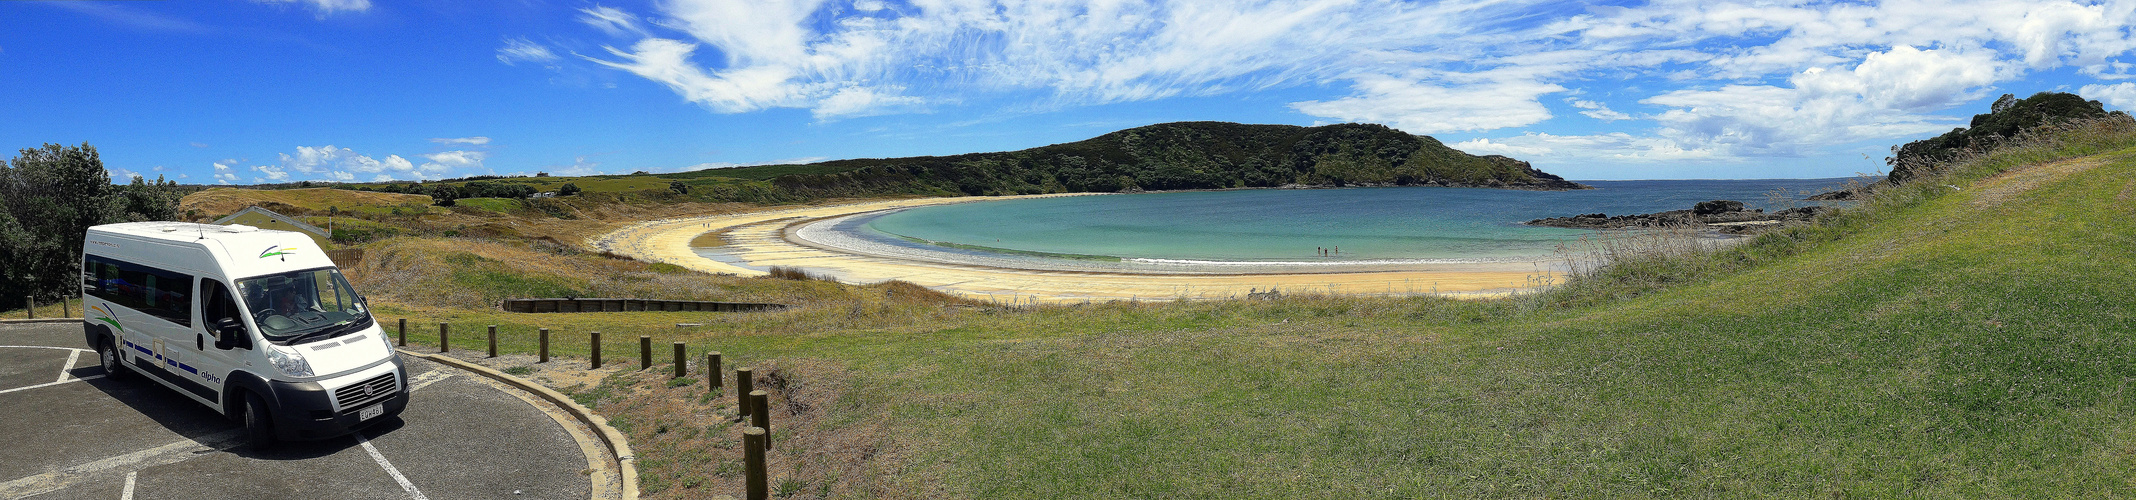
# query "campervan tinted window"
(155, 292)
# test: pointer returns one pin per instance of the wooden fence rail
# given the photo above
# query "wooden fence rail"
(624, 305)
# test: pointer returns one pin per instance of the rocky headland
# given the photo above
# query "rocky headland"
(1723, 216)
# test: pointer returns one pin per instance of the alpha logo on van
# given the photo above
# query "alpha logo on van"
(274, 250)
(106, 316)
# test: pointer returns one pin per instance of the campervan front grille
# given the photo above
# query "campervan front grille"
(361, 394)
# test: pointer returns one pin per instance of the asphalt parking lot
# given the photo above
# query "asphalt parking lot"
(67, 431)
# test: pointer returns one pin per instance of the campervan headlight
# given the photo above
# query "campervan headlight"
(291, 363)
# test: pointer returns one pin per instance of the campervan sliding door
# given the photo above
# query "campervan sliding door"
(213, 364)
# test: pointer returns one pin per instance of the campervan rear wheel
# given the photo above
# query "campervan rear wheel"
(259, 429)
(109, 356)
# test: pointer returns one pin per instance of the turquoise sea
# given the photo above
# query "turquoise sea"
(1395, 223)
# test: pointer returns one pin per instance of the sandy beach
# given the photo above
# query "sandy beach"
(758, 240)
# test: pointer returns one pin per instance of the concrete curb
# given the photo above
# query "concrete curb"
(614, 439)
(38, 321)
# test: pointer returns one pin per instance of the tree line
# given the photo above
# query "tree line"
(54, 193)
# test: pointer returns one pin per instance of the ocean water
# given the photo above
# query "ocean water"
(1365, 224)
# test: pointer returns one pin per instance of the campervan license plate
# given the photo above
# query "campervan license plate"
(370, 413)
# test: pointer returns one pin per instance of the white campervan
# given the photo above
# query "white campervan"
(257, 324)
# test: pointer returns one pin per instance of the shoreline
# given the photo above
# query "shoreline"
(843, 234)
(755, 241)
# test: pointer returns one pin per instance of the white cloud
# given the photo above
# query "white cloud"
(521, 49)
(473, 141)
(225, 172)
(612, 21)
(1731, 78)
(1884, 96)
(327, 7)
(840, 62)
(1612, 147)
(274, 174)
(1597, 110)
(442, 163)
(457, 158)
(343, 164)
(123, 175)
(1426, 108)
(2118, 96)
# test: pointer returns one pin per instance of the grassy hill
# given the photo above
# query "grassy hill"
(1170, 156)
(1967, 334)
(1185, 155)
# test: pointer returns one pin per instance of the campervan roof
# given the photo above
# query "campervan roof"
(239, 251)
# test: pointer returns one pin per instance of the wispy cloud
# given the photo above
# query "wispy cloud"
(326, 8)
(134, 18)
(840, 59)
(517, 50)
(472, 141)
(1724, 79)
(613, 21)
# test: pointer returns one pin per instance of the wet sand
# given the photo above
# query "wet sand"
(759, 240)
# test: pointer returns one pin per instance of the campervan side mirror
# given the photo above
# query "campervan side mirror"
(230, 334)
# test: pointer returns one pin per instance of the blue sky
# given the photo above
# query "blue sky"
(241, 92)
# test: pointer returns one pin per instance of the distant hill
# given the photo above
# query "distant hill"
(1170, 156)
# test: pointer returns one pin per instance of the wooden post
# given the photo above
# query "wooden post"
(29, 306)
(444, 337)
(753, 461)
(596, 350)
(712, 374)
(743, 379)
(493, 341)
(404, 332)
(645, 352)
(544, 345)
(64, 310)
(682, 361)
(760, 416)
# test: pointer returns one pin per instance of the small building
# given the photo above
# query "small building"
(268, 219)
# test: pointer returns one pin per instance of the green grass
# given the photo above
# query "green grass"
(1939, 342)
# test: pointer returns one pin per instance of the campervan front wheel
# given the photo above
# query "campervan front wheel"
(259, 427)
(109, 356)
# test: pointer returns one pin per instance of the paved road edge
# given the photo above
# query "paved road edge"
(613, 439)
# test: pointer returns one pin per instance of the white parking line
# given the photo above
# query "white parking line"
(174, 452)
(161, 455)
(72, 355)
(49, 384)
(127, 494)
(425, 379)
(63, 369)
(397, 477)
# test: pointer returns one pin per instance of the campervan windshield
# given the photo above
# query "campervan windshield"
(293, 306)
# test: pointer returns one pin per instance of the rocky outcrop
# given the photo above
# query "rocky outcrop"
(1726, 216)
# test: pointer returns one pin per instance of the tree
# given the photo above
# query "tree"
(567, 189)
(444, 196)
(143, 200)
(679, 188)
(54, 193)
